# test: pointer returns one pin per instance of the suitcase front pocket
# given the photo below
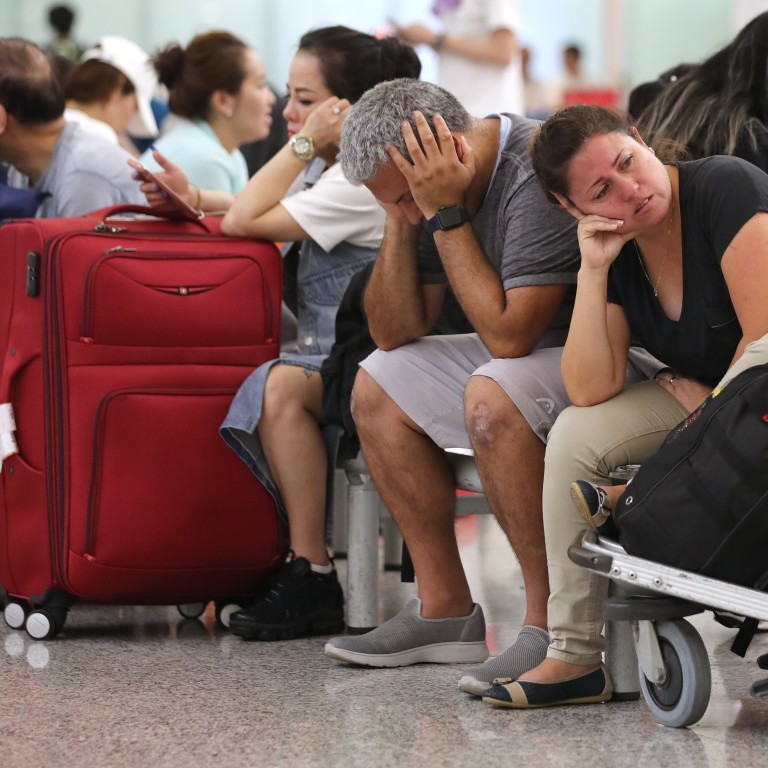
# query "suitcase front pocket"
(166, 493)
(176, 300)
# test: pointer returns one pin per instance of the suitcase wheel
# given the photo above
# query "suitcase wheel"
(15, 614)
(682, 698)
(45, 623)
(224, 611)
(191, 610)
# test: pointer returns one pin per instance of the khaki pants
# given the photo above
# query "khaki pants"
(587, 444)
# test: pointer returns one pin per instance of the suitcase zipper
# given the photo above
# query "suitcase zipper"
(53, 366)
(179, 290)
(91, 524)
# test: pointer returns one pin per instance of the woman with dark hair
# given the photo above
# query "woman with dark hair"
(218, 89)
(676, 256)
(301, 195)
(718, 107)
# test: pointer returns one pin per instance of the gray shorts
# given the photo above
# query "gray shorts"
(426, 379)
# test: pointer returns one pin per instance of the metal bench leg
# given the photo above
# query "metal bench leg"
(620, 656)
(362, 554)
(340, 513)
(393, 545)
(621, 660)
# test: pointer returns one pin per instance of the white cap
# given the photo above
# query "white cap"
(127, 57)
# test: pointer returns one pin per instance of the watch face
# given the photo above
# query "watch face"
(303, 147)
(451, 217)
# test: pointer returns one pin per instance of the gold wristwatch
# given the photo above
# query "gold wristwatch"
(303, 147)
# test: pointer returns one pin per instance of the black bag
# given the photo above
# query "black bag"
(701, 502)
(354, 343)
(17, 203)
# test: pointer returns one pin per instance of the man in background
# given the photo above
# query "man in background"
(70, 170)
(478, 53)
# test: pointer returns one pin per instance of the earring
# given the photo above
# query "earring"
(228, 113)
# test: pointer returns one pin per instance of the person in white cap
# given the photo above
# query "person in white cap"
(110, 92)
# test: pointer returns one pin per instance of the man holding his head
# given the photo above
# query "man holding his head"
(463, 208)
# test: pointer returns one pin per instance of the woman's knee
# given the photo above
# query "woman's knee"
(571, 434)
(287, 386)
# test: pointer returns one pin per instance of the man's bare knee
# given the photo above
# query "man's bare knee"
(366, 397)
(489, 413)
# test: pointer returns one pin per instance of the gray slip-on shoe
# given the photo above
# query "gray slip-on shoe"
(407, 638)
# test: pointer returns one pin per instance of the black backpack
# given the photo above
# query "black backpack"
(354, 343)
(701, 502)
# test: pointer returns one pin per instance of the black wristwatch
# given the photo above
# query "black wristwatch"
(448, 217)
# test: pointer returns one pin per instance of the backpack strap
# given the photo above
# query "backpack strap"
(748, 629)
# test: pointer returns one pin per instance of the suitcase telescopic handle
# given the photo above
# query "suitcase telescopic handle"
(101, 214)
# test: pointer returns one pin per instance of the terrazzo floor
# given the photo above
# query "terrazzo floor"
(141, 687)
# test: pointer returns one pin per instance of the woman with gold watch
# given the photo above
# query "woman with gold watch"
(301, 195)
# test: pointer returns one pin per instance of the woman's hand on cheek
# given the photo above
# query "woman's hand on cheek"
(325, 122)
(599, 238)
(599, 241)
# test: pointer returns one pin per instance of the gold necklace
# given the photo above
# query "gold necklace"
(655, 288)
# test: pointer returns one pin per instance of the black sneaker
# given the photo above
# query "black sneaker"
(297, 603)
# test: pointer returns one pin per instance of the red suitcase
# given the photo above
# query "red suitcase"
(123, 342)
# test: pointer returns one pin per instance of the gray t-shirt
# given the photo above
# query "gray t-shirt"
(86, 172)
(527, 239)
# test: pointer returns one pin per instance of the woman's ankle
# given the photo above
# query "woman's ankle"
(551, 670)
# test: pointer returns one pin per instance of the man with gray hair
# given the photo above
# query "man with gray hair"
(70, 171)
(463, 209)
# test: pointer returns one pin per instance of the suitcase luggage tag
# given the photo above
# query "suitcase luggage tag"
(8, 445)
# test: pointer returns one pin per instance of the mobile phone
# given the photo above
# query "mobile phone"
(180, 205)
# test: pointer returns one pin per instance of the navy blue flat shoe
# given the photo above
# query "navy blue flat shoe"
(592, 502)
(586, 688)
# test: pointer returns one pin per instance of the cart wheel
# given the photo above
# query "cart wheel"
(191, 610)
(45, 623)
(683, 698)
(15, 614)
(224, 611)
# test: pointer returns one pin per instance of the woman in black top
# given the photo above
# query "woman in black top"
(675, 256)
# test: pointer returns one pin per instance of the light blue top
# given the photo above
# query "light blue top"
(196, 148)
(86, 172)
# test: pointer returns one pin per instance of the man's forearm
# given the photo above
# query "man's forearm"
(507, 328)
(394, 302)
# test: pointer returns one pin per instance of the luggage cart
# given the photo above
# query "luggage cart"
(673, 663)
